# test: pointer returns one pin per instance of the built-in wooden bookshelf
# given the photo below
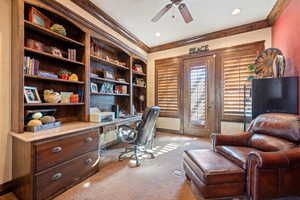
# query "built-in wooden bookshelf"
(112, 57)
(105, 62)
(106, 57)
(41, 53)
(27, 76)
(109, 80)
(108, 94)
(50, 33)
(50, 52)
(139, 96)
(51, 104)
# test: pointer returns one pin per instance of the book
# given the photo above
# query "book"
(30, 66)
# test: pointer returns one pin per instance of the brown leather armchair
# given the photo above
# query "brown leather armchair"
(270, 154)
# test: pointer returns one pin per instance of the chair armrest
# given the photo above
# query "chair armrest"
(232, 140)
(138, 122)
(293, 155)
(268, 160)
(127, 133)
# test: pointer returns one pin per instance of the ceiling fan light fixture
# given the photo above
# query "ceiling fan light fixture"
(236, 11)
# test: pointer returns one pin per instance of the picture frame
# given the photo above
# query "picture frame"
(38, 18)
(109, 75)
(31, 95)
(94, 88)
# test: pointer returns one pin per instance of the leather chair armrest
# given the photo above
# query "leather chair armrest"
(268, 160)
(293, 155)
(232, 140)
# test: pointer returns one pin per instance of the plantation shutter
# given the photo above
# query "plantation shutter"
(167, 87)
(236, 86)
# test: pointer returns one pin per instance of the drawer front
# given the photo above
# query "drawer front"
(58, 179)
(58, 150)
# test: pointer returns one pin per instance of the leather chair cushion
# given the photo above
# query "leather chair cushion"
(236, 154)
(285, 126)
(213, 168)
(270, 143)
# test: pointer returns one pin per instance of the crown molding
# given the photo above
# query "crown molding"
(276, 11)
(98, 13)
(214, 35)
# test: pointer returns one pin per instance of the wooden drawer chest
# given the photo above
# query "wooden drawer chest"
(46, 168)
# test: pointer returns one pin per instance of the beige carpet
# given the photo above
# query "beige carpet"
(158, 179)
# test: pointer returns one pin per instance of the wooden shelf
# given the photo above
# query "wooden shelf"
(103, 61)
(138, 73)
(50, 33)
(108, 94)
(52, 56)
(52, 104)
(53, 79)
(110, 80)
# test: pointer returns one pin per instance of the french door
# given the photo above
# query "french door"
(199, 96)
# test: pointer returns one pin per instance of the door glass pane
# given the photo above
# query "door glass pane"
(198, 95)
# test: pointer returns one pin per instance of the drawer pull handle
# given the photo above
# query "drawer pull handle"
(56, 176)
(88, 161)
(88, 139)
(56, 149)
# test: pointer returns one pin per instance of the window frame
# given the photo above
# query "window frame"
(259, 47)
(169, 61)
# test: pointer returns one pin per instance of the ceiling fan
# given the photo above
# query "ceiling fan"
(181, 7)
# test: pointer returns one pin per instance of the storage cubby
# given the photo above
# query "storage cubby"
(139, 70)
(110, 72)
(46, 56)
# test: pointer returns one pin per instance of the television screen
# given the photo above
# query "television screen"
(274, 95)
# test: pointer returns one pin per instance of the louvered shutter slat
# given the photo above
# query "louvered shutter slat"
(235, 75)
(167, 91)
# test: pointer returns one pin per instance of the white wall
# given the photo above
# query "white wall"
(5, 65)
(171, 123)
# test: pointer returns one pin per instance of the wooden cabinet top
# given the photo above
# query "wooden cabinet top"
(68, 128)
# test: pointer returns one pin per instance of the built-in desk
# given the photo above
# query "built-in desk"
(69, 128)
(47, 163)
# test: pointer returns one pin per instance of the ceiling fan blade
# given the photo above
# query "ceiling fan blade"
(162, 12)
(176, 2)
(185, 13)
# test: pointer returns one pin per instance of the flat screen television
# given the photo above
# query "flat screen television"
(275, 95)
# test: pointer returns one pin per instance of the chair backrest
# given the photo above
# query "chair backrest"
(285, 126)
(146, 128)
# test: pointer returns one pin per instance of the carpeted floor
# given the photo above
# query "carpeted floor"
(159, 179)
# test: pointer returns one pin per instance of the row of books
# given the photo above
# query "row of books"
(72, 54)
(31, 66)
